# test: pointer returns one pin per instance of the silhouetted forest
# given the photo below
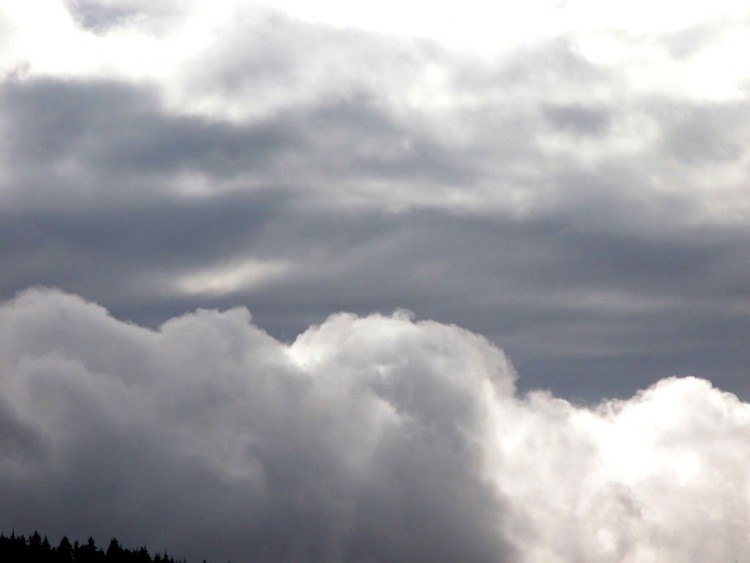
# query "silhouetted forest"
(37, 549)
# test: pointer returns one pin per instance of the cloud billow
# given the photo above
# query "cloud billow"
(367, 438)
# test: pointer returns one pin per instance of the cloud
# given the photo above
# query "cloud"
(577, 194)
(367, 438)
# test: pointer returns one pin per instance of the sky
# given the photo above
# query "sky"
(319, 281)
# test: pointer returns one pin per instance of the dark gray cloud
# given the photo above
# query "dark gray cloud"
(110, 144)
(561, 300)
(600, 277)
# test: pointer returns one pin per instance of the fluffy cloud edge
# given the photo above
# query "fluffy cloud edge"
(366, 437)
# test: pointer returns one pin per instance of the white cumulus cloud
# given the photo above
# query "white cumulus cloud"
(367, 439)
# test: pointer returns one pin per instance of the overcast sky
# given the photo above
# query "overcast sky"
(566, 181)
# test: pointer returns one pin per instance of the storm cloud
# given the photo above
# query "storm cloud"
(566, 179)
(346, 203)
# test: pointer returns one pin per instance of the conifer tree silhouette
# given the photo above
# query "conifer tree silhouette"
(37, 549)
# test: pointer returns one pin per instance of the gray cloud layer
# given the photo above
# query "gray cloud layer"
(107, 195)
(367, 439)
(591, 224)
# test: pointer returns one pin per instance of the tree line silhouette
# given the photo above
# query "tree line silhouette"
(37, 549)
